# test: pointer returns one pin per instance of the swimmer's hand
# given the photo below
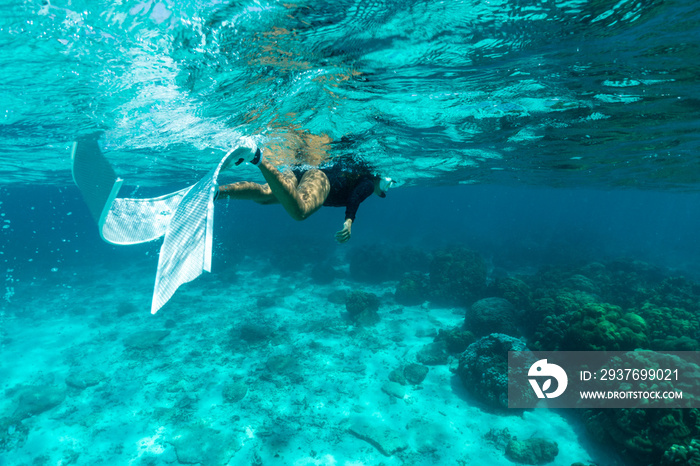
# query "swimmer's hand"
(344, 235)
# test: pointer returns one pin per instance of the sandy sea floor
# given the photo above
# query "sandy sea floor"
(243, 366)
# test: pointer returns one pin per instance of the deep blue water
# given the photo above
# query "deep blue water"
(516, 228)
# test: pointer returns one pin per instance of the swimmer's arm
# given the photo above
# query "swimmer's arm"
(361, 192)
(344, 235)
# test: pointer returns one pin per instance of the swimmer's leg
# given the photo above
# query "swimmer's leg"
(249, 191)
(300, 200)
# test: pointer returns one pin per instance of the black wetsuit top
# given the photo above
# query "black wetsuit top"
(349, 185)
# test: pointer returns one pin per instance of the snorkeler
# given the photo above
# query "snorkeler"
(185, 218)
(302, 190)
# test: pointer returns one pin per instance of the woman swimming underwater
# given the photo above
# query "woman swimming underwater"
(302, 189)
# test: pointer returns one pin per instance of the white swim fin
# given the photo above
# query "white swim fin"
(119, 220)
(184, 217)
(187, 248)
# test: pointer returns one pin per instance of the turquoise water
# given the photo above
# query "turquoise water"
(556, 93)
(553, 144)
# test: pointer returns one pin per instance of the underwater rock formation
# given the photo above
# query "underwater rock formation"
(515, 290)
(553, 303)
(32, 400)
(234, 392)
(593, 327)
(397, 376)
(532, 451)
(394, 389)
(82, 379)
(457, 276)
(433, 354)
(620, 305)
(491, 315)
(362, 307)
(671, 328)
(411, 374)
(412, 289)
(384, 439)
(415, 373)
(483, 368)
(145, 339)
(27, 401)
(645, 435)
(456, 339)
(682, 454)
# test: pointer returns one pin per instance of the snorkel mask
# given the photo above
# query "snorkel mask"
(384, 184)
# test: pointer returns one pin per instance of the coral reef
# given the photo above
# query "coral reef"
(617, 306)
(457, 276)
(253, 371)
(457, 339)
(646, 435)
(683, 454)
(491, 315)
(483, 368)
(671, 328)
(593, 327)
(412, 289)
(630, 310)
(515, 290)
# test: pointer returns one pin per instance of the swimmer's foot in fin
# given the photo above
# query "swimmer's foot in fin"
(240, 155)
